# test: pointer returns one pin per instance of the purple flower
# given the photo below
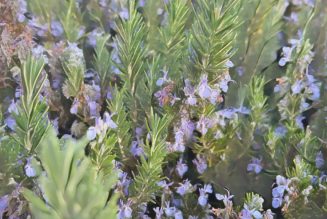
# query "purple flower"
(74, 107)
(204, 90)
(200, 163)
(13, 107)
(277, 202)
(29, 170)
(10, 123)
(181, 168)
(162, 80)
(280, 131)
(187, 127)
(163, 184)
(4, 203)
(287, 53)
(298, 121)
(91, 133)
(179, 141)
(320, 162)
(162, 96)
(203, 124)
(297, 87)
(136, 150)
(124, 14)
(223, 84)
(56, 29)
(178, 214)
(203, 198)
(184, 188)
(169, 211)
(93, 108)
(254, 166)
(125, 210)
(191, 100)
(123, 182)
(227, 199)
(109, 121)
(159, 212)
(229, 64)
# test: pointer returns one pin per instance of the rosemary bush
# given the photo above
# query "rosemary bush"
(163, 109)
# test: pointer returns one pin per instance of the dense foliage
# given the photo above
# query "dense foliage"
(163, 109)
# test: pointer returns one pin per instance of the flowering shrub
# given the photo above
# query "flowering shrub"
(163, 109)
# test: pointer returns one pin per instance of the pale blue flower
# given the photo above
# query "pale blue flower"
(184, 188)
(297, 87)
(56, 28)
(163, 79)
(169, 211)
(109, 121)
(280, 131)
(13, 107)
(227, 199)
(136, 150)
(181, 168)
(298, 121)
(200, 163)
(10, 123)
(125, 211)
(159, 212)
(277, 202)
(204, 90)
(320, 161)
(91, 133)
(229, 64)
(287, 53)
(203, 198)
(29, 169)
(178, 214)
(255, 166)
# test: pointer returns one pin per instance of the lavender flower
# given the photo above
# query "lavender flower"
(203, 198)
(163, 79)
(223, 84)
(13, 107)
(29, 169)
(92, 108)
(204, 90)
(159, 212)
(320, 162)
(162, 96)
(201, 164)
(297, 87)
(181, 168)
(109, 121)
(287, 53)
(185, 187)
(91, 133)
(227, 199)
(125, 210)
(169, 211)
(123, 182)
(255, 166)
(280, 131)
(190, 93)
(178, 214)
(298, 121)
(179, 141)
(163, 184)
(56, 29)
(74, 107)
(136, 150)
(204, 124)
(187, 127)
(10, 123)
